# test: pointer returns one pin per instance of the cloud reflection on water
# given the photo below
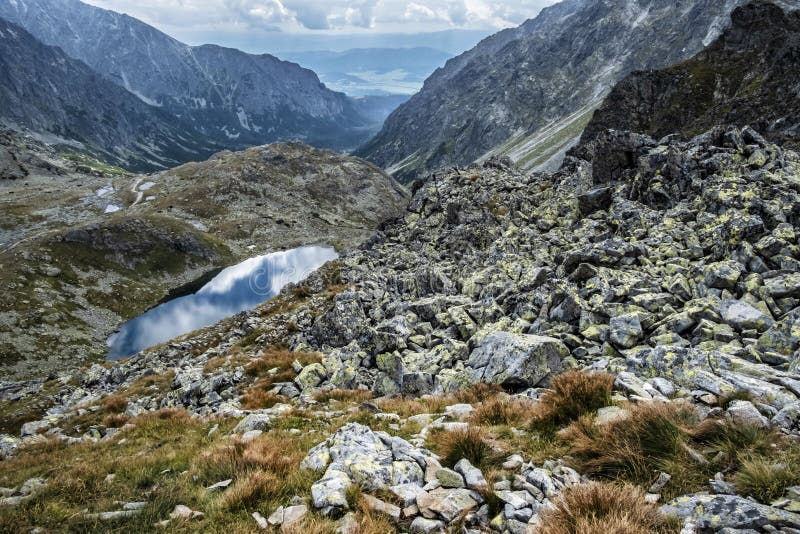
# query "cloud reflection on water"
(233, 290)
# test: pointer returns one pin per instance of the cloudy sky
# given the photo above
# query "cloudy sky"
(235, 21)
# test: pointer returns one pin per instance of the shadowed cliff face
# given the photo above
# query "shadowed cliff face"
(522, 81)
(748, 76)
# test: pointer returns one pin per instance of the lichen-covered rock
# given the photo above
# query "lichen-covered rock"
(372, 460)
(712, 513)
(516, 360)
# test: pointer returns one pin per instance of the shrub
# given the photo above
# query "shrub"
(764, 480)
(598, 508)
(471, 444)
(632, 448)
(573, 394)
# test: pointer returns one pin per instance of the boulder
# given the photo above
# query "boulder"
(516, 360)
(742, 316)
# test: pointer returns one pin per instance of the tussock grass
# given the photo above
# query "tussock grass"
(472, 444)
(573, 394)
(504, 411)
(633, 448)
(765, 480)
(348, 396)
(259, 396)
(668, 437)
(599, 508)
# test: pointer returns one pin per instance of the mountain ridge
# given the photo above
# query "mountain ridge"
(523, 79)
(45, 90)
(746, 77)
(234, 98)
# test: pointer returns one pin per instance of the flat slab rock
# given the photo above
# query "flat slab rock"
(711, 513)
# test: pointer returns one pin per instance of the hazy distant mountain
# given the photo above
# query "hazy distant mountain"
(234, 98)
(528, 92)
(369, 71)
(43, 89)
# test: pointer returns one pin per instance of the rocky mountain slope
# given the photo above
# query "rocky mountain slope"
(43, 89)
(544, 77)
(233, 98)
(748, 76)
(78, 263)
(675, 273)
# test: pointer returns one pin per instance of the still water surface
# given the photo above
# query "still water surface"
(235, 289)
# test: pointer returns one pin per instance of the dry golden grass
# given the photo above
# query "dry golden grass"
(504, 411)
(115, 420)
(573, 394)
(598, 508)
(408, 406)
(114, 404)
(354, 396)
(632, 448)
(258, 396)
(249, 489)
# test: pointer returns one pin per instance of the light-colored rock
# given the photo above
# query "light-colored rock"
(516, 360)
(473, 477)
(743, 412)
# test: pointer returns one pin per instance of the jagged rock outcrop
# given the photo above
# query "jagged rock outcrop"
(746, 77)
(546, 75)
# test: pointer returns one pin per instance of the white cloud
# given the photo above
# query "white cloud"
(303, 16)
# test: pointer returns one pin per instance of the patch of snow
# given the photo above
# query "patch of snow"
(147, 185)
(200, 226)
(137, 94)
(224, 130)
(104, 191)
(244, 120)
(112, 208)
(150, 198)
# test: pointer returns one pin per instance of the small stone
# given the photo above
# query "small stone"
(473, 476)
(743, 412)
(293, 514)
(513, 462)
(260, 521)
(381, 507)
(426, 526)
(723, 275)
(449, 478)
(662, 480)
(184, 512)
(609, 414)
(220, 485)
(459, 411)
